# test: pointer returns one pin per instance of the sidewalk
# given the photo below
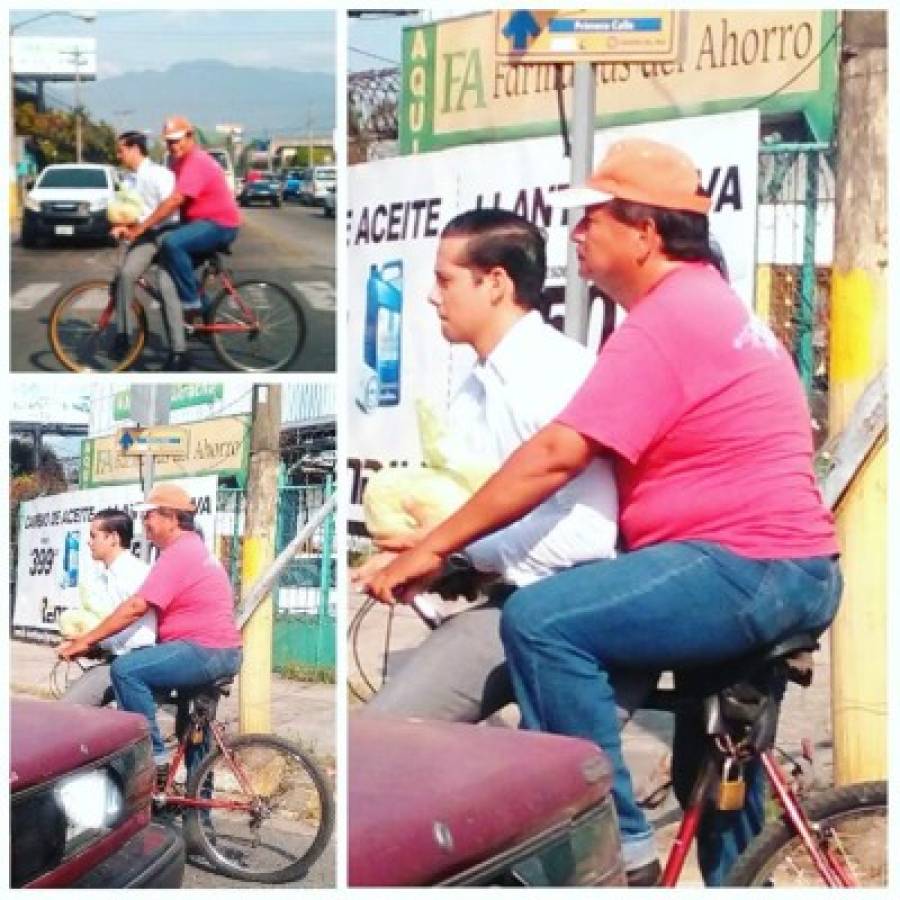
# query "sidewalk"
(302, 712)
(806, 713)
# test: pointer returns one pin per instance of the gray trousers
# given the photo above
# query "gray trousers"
(459, 674)
(93, 688)
(137, 260)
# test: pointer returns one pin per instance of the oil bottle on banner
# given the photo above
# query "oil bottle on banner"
(383, 332)
(70, 559)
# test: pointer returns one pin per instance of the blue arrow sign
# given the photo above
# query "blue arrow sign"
(521, 26)
(126, 441)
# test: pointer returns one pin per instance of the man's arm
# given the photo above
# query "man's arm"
(542, 465)
(168, 207)
(121, 617)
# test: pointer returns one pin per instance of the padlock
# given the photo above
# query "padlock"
(732, 787)
(197, 734)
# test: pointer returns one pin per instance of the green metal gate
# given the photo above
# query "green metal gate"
(303, 640)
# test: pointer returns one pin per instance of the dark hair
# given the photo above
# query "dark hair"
(116, 521)
(135, 139)
(685, 235)
(501, 238)
(185, 519)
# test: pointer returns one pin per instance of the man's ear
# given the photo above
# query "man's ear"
(501, 284)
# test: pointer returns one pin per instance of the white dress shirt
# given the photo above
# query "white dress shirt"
(522, 386)
(114, 585)
(154, 183)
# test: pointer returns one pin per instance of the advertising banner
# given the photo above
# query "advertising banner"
(54, 564)
(397, 210)
(458, 89)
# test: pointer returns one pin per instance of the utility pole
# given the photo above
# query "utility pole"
(858, 353)
(258, 553)
(77, 54)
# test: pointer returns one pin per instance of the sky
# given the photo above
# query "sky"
(139, 40)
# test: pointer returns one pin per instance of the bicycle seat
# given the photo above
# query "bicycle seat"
(742, 697)
(213, 689)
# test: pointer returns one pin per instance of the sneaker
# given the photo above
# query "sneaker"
(647, 875)
(178, 362)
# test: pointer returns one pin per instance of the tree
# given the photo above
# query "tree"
(53, 133)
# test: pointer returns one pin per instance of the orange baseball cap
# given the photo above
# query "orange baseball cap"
(642, 171)
(166, 495)
(175, 128)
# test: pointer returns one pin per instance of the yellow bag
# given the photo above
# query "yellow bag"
(125, 208)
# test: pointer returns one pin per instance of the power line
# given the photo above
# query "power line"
(393, 62)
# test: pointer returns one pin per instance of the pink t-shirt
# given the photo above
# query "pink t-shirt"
(706, 415)
(192, 595)
(201, 181)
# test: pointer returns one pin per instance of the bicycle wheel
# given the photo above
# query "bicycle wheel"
(82, 330)
(291, 821)
(854, 821)
(277, 340)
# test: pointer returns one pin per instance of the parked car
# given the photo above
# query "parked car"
(293, 182)
(262, 191)
(80, 782)
(448, 804)
(316, 183)
(69, 201)
(329, 203)
(252, 175)
(223, 158)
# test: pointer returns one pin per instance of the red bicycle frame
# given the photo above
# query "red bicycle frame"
(829, 867)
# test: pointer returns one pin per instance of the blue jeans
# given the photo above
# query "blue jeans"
(173, 664)
(178, 247)
(668, 606)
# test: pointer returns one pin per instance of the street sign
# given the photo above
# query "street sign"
(589, 35)
(157, 441)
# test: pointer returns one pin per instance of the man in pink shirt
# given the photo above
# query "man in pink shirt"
(728, 547)
(209, 221)
(189, 590)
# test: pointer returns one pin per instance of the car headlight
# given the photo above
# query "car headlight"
(33, 204)
(89, 800)
(53, 822)
(97, 205)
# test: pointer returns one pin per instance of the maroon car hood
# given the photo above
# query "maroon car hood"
(49, 738)
(431, 799)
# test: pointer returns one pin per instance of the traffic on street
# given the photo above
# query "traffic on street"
(291, 245)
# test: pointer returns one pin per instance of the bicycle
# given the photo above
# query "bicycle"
(256, 806)
(254, 326)
(837, 839)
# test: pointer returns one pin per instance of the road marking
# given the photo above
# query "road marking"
(31, 295)
(318, 294)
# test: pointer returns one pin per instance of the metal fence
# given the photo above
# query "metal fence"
(794, 254)
(304, 632)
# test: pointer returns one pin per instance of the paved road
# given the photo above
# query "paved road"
(293, 246)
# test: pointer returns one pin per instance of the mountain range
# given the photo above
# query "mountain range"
(265, 101)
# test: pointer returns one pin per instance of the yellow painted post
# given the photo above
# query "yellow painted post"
(858, 353)
(255, 713)
(764, 293)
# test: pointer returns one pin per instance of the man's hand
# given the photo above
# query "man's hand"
(370, 567)
(132, 232)
(118, 232)
(75, 647)
(409, 574)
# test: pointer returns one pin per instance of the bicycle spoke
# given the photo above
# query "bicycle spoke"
(289, 821)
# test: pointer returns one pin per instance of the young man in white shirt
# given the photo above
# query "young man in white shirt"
(153, 183)
(122, 574)
(489, 274)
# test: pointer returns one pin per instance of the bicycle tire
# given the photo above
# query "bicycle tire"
(281, 335)
(79, 343)
(858, 815)
(288, 773)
